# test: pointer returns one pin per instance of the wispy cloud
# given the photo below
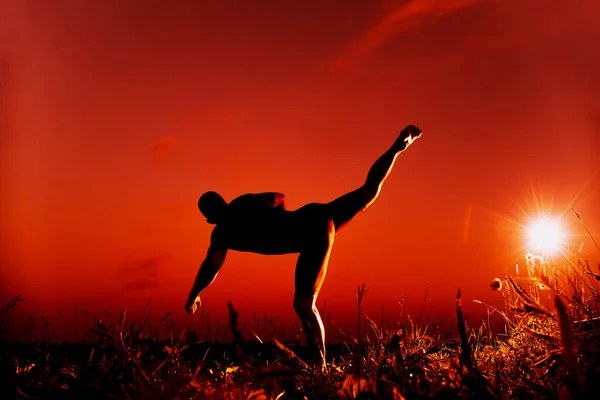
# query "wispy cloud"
(141, 284)
(408, 14)
(141, 274)
(163, 147)
(214, 117)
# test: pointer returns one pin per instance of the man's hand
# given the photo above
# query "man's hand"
(407, 136)
(192, 304)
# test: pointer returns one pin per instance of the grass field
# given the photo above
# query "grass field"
(549, 348)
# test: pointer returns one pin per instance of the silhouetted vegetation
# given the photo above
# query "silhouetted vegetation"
(549, 348)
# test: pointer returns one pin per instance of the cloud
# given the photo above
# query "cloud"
(141, 273)
(407, 15)
(163, 147)
(216, 117)
(141, 284)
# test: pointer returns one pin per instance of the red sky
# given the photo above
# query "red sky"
(117, 115)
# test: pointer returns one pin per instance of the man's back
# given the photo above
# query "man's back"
(252, 223)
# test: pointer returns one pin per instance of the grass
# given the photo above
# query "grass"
(549, 348)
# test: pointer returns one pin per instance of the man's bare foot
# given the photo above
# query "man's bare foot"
(193, 304)
(407, 136)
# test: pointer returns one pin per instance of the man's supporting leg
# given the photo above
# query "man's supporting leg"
(310, 274)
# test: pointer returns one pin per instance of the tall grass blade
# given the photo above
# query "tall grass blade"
(568, 348)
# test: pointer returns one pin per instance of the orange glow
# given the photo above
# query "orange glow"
(115, 120)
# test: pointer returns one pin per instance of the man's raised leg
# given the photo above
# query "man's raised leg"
(348, 206)
(382, 167)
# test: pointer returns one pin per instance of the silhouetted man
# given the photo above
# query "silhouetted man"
(260, 223)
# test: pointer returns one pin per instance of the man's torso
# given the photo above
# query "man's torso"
(251, 224)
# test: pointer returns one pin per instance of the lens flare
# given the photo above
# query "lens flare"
(545, 235)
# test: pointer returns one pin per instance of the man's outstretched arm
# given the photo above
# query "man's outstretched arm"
(206, 276)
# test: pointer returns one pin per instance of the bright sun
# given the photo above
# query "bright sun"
(545, 235)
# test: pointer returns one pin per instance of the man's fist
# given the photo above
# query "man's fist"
(192, 304)
(407, 136)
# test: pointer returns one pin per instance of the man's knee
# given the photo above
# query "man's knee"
(369, 194)
(303, 305)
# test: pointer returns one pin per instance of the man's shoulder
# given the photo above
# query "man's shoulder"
(248, 200)
(218, 237)
(244, 198)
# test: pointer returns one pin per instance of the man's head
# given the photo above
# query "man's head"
(212, 206)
